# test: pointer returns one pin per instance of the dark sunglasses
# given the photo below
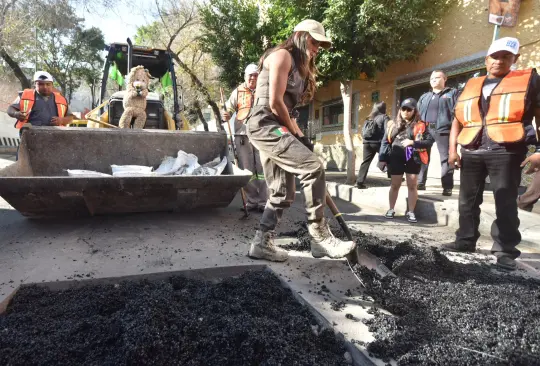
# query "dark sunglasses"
(406, 109)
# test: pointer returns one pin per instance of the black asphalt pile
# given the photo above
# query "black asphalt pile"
(449, 313)
(303, 243)
(250, 320)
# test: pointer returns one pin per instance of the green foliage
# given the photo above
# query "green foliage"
(368, 35)
(233, 36)
(72, 55)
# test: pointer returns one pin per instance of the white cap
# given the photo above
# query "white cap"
(316, 30)
(251, 69)
(509, 44)
(43, 76)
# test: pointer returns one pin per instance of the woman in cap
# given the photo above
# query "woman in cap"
(287, 78)
(403, 150)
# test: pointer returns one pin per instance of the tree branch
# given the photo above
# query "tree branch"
(199, 87)
(14, 65)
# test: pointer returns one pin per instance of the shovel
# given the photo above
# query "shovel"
(359, 255)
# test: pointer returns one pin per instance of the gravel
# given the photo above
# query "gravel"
(250, 320)
(445, 312)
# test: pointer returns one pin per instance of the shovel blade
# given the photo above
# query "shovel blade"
(364, 258)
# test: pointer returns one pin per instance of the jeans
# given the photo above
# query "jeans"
(505, 175)
(370, 149)
(447, 173)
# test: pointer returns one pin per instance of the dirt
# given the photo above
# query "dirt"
(449, 313)
(250, 320)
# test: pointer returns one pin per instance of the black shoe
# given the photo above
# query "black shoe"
(506, 263)
(361, 186)
(421, 187)
(447, 192)
(249, 208)
(453, 247)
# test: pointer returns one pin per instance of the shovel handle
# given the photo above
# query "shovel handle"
(335, 211)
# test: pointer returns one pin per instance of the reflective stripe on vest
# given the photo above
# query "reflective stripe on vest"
(27, 103)
(506, 108)
(245, 102)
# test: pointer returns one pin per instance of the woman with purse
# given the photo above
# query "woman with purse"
(403, 151)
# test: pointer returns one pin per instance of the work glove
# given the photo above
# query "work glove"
(306, 142)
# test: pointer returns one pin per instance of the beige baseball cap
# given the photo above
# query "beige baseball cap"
(316, 30)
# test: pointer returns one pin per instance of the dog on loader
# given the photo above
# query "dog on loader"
(135, 98)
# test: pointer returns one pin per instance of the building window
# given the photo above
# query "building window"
(333, 115)
(454, 81)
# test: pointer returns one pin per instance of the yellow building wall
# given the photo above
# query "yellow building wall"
(463, 32)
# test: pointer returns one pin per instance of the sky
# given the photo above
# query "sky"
(119, 22)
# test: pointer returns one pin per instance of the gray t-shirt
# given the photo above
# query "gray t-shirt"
(15, 104)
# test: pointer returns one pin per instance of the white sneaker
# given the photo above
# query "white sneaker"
(390, 214)
(262, 247)
(325, 244)
(411, 217)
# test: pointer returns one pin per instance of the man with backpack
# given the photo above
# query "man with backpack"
(372, 135)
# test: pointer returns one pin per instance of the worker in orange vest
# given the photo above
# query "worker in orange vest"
(241, 102)
(42, 106)
(493, 125)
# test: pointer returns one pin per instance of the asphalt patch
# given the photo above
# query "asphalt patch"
(445, 312)
(249, 320)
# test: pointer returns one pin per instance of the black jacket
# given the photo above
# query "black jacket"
(447, 103)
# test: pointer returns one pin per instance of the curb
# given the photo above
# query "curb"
(434, 209)
(8, 150)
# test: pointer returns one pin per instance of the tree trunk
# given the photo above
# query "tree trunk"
(200, 88)
(93, 95)
(200, 115)
(25, 83)
(346, 93)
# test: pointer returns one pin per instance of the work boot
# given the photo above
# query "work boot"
(324, 243)
(262, 247)
(454, 247)
(506, 263)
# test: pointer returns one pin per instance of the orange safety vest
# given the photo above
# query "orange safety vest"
(418, 134)
(28, 99)
(245, 102)
(506, 108)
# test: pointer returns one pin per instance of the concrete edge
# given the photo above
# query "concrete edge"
(435, 210)
(8, 150)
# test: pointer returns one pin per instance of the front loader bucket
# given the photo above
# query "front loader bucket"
(38, 185)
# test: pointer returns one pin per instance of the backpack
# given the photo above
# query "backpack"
(372, 131)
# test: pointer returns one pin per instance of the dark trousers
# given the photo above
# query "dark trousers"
(505, 175)
(447, 173)
(370, 149)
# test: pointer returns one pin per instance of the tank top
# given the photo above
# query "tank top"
(293, 92)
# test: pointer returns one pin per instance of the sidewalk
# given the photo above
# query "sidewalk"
(433, 208)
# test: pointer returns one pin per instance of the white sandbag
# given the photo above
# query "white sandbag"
(167, 166)
(215, 167)
(133, 174)
(130, 168)
(86, 173)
